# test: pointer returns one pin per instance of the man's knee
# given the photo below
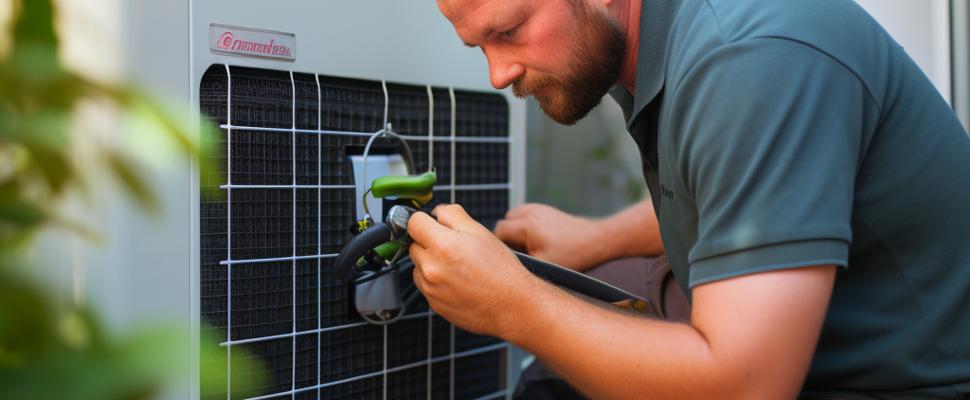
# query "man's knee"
(649, 278)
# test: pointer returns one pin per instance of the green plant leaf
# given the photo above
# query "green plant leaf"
(55, 168)
(131, 181)
(26, 325)
(46, 129)
(248, 372)
(138, 102)
(48, 351)
(35, 22)
(20, 213)
(35, 64)
(599, 153)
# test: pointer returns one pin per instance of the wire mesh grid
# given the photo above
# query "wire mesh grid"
(285, 202)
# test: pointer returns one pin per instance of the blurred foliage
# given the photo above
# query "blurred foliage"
(38, 99)
(62, 351)
(612, 173)
(51, 353)
(591, 168)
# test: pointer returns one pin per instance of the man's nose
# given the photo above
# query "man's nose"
(503, 71)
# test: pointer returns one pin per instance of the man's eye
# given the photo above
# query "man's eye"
(511, 32)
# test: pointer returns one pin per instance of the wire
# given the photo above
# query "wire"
(451, 94)
(366, 209)
(384, 322)
(401, 266)
(387, 131)
(430, 129)
(408, 158)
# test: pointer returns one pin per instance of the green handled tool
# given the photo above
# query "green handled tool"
(417, 188)
(377, 243)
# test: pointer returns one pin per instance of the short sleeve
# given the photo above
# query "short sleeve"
(769, 140)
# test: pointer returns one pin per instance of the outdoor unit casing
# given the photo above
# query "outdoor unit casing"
(157, 265)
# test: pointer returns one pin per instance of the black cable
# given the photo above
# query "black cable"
(403, 265)
(346, 260)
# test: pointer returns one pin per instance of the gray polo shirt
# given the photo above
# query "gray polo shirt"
(780, 134)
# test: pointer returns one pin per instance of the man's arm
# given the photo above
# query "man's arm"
(749, 337)
(581, 243)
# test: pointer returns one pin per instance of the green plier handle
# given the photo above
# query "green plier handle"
(417, 187)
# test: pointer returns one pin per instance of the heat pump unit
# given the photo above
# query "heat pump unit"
(296, 88)
(286, 199)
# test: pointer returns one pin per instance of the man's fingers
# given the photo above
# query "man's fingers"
(455, 217)
(512, 232)
(418, 255)
(424, 230)
(520, 211)
(426, 272)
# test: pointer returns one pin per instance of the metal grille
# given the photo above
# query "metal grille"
(285, 198)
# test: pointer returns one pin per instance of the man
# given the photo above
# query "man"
(811, 187)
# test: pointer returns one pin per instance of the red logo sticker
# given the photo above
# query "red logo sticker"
(225, 41)
(248, 42)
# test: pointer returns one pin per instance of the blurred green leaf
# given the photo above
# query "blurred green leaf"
(43, 129)
(36, 64)
(131, 181)
(51, 353)
(133, 367)
(248, 373)
(26, 323)
(19, 219)
(35, 22)
(49, 350)
(18, 214)
(599, 153)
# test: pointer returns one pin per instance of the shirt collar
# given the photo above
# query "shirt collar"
(656, 21)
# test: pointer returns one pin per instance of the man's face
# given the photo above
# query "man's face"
(565, 53)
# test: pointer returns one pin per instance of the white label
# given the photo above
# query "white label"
(249, 42)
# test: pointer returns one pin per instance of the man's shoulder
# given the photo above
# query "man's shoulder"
(835, 29)
(815, 21)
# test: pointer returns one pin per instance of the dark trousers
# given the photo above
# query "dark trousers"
(649, 278)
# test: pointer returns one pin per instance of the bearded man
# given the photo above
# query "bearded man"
(808, 186)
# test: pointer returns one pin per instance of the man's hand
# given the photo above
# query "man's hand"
(581, 243)
(468, 276)
(552, 235)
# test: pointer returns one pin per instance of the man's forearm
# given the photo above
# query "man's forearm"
(630, 233)
(749, 337)
(613, 355)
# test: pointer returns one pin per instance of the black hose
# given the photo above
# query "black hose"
(403, 265)
(358, 247)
